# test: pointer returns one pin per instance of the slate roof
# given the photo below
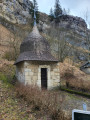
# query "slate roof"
(86, 65)
(35, 48)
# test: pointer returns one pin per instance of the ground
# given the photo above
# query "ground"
(13, 108)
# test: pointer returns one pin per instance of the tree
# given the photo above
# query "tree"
(14, 42)
(66, 11)
(34, 5)
(51, 15)
(57, 11)
(60, 48)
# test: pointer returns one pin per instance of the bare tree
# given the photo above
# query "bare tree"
(88, 42)
(14, 42)
(59, 44)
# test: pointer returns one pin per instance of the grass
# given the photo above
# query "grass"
(75, 92)
(49, 101)
(12, 108)
(6, 80)
(29, 103)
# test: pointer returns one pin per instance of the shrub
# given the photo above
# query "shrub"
(5, 80)
(11, 55)
(7, 74)
(42, 100)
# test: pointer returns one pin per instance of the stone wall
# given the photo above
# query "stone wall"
(31, 72)
(20, 74)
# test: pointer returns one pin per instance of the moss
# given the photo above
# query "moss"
(75, 92)
(6, 80)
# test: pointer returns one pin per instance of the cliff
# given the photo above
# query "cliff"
(15, 17)
(15, 11)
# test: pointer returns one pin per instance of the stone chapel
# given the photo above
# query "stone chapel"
(35, 64)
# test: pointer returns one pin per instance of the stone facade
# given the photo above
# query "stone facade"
(29, 72)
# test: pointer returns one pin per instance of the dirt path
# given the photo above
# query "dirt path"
(72, 101)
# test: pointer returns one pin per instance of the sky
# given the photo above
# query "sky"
(80, 8)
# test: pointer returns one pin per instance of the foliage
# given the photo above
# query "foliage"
(75, 92)
(12, 108)
(7, 74)
(5, 80)
(57, 11)
(34, 5)
(51, 15)
(11, 55)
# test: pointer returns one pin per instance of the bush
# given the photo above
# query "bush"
(5, 80)
(42, 100)
(7, 74)
(78, 82)
(10, 55)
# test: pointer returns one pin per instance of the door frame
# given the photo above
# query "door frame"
(49, 82)
(44, 81)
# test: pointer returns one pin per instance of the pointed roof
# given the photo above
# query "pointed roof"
(34, 34)
(35, 48)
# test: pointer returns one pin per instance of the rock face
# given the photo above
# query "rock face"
(15, 11)
(76, 23)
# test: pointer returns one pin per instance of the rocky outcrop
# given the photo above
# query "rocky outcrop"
(15, 11)
(72, 22)
(75, 23)
(14, 15)
(68, 21)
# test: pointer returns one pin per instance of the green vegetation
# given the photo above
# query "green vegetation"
(34, 5)
(6, 80)
(12, 108)
(56, 13)
(7, 74)
(51, 15)
(75, 92)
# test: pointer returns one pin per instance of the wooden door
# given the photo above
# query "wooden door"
(44, 78)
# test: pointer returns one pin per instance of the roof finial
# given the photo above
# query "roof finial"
(34, 17)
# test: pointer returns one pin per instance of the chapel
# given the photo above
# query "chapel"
(35, 64)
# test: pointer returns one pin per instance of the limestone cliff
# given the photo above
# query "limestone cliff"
(15, 11)
(14, 15)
